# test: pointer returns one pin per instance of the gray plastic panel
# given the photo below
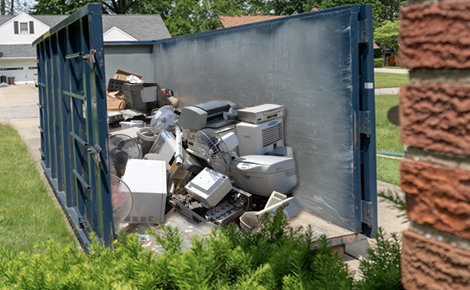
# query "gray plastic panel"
(303, 62)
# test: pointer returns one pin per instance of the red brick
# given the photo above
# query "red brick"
(435, 35)
(436, 117)
(428, 264)
(437, 196)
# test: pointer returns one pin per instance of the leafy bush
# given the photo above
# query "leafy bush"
(378, 62)
(273, 257)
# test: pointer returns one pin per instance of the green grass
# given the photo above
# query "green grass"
(28, 214)
(388, 140)
(390, 80)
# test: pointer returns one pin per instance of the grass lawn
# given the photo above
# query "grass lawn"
(390, 80)
(28, 214)
(388, 140)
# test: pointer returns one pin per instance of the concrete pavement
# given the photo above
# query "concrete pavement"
(387, 91)
(391, 70)
(18, 106)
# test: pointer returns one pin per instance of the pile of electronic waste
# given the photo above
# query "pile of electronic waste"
(212, 162)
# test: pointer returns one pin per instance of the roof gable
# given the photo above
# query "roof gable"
(116, 34)
(23, 16)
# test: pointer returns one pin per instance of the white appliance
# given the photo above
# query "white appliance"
(147, 181)
(261, 113)
(132, 132)
(189, 137)
(258, 139)
(165, 146)
(210, 115)
(263, 174)
(209, 187)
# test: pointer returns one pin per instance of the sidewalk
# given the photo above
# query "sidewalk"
(388, 91)
(391, 70)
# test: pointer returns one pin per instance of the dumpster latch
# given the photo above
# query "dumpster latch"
(365, 122)
(364, 30)
(95, 151)
(367, 212)
(82, 222)
(90, 58)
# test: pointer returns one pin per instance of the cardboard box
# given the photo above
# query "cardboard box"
(122, 75)
(114, 103)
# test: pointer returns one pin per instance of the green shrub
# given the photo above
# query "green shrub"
(378, 62)
(273, 257)
(383, 269)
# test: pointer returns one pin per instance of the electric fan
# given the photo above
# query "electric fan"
(164, 119)
(216, 149)
(122, 148)
(121, 199)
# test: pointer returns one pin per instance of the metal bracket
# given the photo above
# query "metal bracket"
(367, 212)
(90, 58)
(82, 222)
(365, 123)
(364, 30)
(95, 151)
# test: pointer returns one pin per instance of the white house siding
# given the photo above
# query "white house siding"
(116, 34)
(26, 75)
(7, 30)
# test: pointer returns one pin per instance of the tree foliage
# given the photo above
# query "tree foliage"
(386, 36)
(191, 16)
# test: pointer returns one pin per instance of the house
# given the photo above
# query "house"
(229, 21)
(18, 56)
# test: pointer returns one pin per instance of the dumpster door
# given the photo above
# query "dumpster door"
(73, 121)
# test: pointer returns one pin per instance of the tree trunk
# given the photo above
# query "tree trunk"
(12, 7)
(385, 57)
(2, 12)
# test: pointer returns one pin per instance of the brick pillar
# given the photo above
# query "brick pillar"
(435, 125)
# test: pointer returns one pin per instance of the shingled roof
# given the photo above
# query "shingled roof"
(229, 21)
(17, 51)
(139, 26)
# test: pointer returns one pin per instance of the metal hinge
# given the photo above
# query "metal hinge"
(365, 30)
(365, 126)
(367, 212)
(95, 151)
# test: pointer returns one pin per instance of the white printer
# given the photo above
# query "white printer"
(263, 174)
(206, 115)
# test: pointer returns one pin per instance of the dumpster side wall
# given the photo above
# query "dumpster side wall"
(303, 62)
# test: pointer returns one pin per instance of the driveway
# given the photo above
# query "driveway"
(18, 106)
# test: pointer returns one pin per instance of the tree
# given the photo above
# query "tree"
(54, 7)
(280, 7)
(386, 36)
(2, 7)
(382, 10)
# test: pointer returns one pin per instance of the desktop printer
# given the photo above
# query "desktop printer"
(206, 115)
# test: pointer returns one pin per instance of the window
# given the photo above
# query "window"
(23, 27)
(10, 68)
